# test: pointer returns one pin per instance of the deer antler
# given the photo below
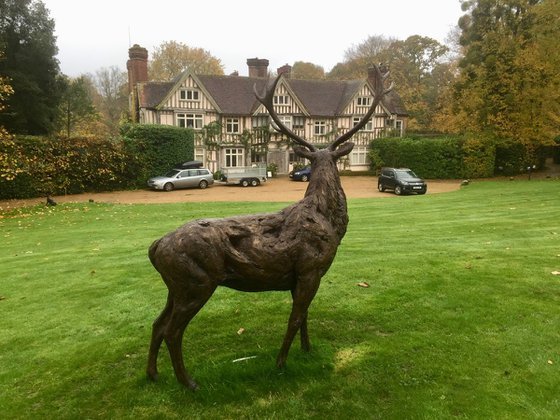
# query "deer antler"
(266, 99)
(380, 91)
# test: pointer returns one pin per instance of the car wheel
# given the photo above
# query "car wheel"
(398, 190)
(422, 192)
(380, 187)
(254, 182)
(168, 186)
(203, 184)
(305, 178)
(244, 183)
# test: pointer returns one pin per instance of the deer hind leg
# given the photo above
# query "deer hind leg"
(304, 335)
(158, 328)
(302, 297)
(184, 309)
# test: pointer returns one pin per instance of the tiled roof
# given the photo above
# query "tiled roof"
(150, 94)
(394, 103)
(324, 98)
(235, 96)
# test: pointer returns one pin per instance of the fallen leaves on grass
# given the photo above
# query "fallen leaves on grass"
(363, 284)
(555, 273)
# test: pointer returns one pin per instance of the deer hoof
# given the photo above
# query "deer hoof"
(152, 376)
(192, 385)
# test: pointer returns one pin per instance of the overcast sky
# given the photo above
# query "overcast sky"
(92, 34)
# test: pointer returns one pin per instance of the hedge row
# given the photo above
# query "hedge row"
(454, 157)
(36, 166)
(156, 148)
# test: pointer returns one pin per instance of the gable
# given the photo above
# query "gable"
(188, 93)
(288, 101)
(360, 101)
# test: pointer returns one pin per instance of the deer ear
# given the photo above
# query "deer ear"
(343, 150)
(303, 152)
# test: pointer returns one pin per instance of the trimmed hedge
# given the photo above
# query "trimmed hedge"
(42, 166)
(37, 166)
(457, 157)
(436, 158)
(156, 148)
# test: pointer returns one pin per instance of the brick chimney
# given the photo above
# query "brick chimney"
(137, 65)
(286, 70)
(258, 67)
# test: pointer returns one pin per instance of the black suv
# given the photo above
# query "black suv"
(401, 180)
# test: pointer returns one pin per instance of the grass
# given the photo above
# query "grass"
(460, 318)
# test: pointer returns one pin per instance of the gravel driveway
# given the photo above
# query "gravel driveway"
(280, 189)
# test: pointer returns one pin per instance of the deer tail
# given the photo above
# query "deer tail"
(152, 252)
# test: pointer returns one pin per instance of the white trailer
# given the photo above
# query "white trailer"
(244, 175)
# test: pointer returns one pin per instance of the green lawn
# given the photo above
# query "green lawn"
(461, 317)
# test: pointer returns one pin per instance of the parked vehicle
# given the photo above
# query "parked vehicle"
(303, 174)
(182, 178)
(401, 181)
(191, 164)
(244, 175)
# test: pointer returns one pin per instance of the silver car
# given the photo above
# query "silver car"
(182, 178)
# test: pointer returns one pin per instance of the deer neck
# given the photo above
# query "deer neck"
(327, 196)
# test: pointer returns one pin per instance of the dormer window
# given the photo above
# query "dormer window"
(363, 100)
(189, 95)
(281, 100)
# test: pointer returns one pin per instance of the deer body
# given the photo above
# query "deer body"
(288, 250)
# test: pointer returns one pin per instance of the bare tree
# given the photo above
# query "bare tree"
(111, 84)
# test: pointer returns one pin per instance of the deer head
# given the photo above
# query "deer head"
(336, 149)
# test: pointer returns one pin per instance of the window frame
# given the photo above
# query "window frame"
(320, 128)
(359, 155)
(281, 100)
(234, 155)
(233, 125)
(189, 120)
(364, 101)
(367, 127)
(189, 95)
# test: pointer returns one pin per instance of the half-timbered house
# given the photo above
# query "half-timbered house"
(233, 129)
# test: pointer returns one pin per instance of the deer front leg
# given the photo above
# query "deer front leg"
(303, 294)
(304, 336)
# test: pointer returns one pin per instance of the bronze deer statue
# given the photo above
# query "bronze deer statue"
(288, 250)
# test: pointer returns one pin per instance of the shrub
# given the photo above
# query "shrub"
(437, 158)
(156, 148)
(478, 156)
(40, 166)
(272, 168)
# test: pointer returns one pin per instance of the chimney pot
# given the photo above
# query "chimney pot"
(137, 66)
(258, 67)
(286, 70)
